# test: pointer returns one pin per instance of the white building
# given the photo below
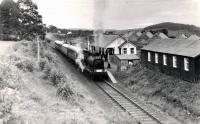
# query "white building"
(128, 48)
(114, 45)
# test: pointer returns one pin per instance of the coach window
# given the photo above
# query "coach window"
(149, 56)
(186, 64)
(156, 57)
(164, 59)
(174, 58)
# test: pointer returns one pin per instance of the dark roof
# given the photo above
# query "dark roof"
(104, 40)
(128, 34)
(183, 47)
(128, 57)
(132, 35)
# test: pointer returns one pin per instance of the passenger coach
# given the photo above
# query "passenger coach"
(176, 57)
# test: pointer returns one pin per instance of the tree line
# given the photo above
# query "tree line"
(20, 20)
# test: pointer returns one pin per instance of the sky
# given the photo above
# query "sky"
(117, 14)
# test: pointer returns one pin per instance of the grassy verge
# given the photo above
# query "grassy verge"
(179, 98)
(32, 92)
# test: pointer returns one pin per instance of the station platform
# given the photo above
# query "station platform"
(113, 67)
(110, 71)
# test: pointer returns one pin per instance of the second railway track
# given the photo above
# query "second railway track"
(127, 104)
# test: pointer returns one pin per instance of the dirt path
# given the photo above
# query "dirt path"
(4, 45)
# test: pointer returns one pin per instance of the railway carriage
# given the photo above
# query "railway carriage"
(64, 48)
(58, 44)
(73, 53)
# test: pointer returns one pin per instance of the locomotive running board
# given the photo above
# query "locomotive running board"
(112, 78)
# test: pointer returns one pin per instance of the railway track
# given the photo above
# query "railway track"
(126, 104)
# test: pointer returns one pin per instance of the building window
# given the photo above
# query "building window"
(149, 56)
(164, 59)
(125, 50)
(174, 58)
(156, 57)
(132, 50)
(186, 64)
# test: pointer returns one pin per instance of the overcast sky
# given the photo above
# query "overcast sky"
(117, 14)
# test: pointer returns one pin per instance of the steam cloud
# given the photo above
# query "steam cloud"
(99, 18)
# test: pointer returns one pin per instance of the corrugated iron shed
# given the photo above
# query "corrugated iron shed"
(183, 47)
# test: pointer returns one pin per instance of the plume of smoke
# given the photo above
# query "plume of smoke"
(99, 14)
(99, 18)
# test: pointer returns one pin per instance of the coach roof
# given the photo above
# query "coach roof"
(183, 47)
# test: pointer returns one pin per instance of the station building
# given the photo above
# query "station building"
(176, 57)
(118, 50)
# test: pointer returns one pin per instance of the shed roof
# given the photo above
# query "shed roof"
(194, 37)
(163, 36)
(182, 36)
(149, 34)
(104, 40)
(133, 37)
(128, 57)
(183, 47)
(138, 33)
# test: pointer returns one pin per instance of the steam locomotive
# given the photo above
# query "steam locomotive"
(88, 63)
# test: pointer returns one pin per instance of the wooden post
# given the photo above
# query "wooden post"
(38, 51)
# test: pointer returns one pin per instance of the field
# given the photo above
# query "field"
(33, 91)
(178, 98)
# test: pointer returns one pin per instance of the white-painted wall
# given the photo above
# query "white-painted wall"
(129, 46)
(115, 44)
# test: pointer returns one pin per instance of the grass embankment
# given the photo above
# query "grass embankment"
(179, 98)
(42, 93)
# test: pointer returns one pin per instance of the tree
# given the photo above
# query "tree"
(1, 25)
(52, 29)
(31, 20)
(9, 22)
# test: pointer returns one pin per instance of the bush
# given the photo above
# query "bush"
(55, 77)
(14, 58)
(42, 64)
(26, 65)
(65, 91)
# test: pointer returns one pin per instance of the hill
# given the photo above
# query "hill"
(184, 28)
